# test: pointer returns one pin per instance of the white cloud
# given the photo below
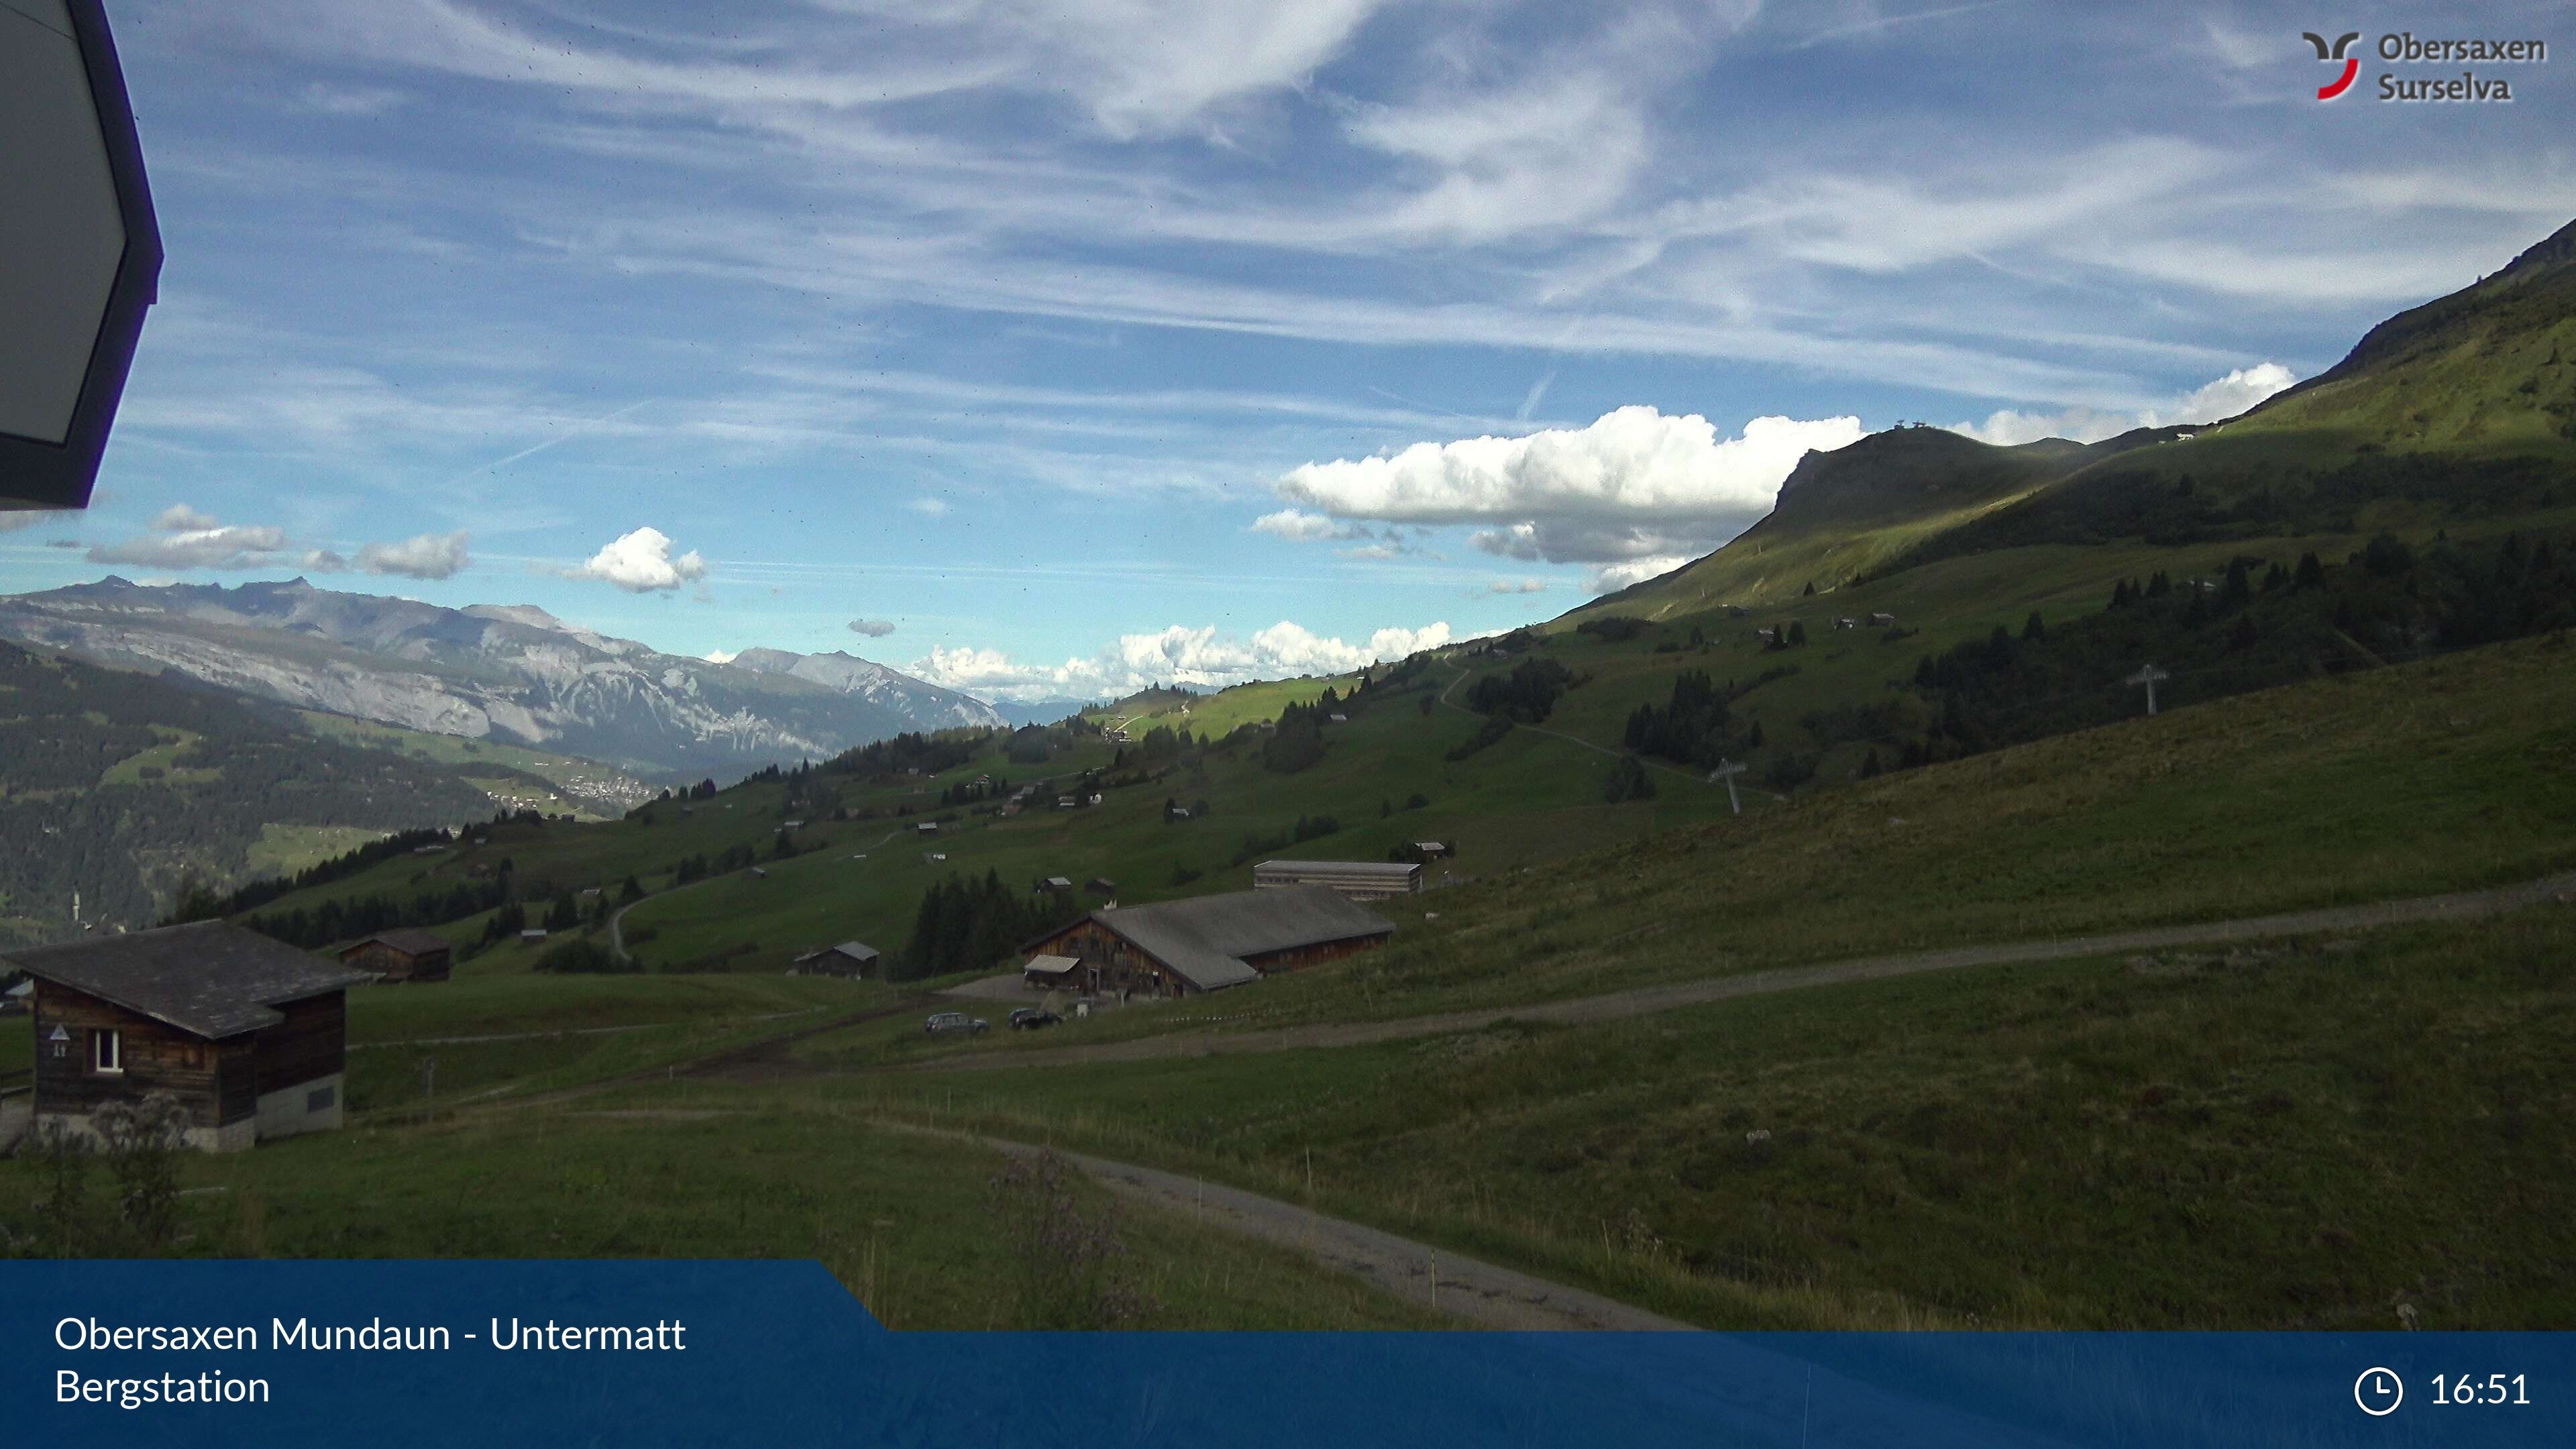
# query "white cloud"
(324, 561)
(1517, 586)
(873, 628)
(2214, 401)
(721, 656)
(1634, 483)
(428, 556)
(641, 563)
(2225, 397)
(1610, 578)
(11, 520)
(1178, 654)
(189, 539)
(1289, 523)
(929, 507)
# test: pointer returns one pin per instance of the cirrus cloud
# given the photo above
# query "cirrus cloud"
(641, 563)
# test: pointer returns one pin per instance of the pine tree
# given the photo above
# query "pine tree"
(2312, 573)
(2035, 630)
(1870, 769)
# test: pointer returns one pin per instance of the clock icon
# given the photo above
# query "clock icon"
(2378, 1391)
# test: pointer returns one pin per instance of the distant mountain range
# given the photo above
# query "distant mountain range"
(512, 673)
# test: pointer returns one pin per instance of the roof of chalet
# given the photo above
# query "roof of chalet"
(855, 950)
(410, 940)
(1205, 938)
(1049, 965)
(210, 978)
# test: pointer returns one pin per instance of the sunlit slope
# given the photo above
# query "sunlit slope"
(2461, 409)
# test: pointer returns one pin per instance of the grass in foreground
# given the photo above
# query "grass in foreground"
(2303, 1137)
(909, 1223)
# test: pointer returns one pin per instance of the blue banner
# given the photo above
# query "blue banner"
(683, 1353)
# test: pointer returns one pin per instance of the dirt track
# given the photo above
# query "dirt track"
(1479, 1292)
(1643, 1000)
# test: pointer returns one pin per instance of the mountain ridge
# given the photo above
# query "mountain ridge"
(511, 672)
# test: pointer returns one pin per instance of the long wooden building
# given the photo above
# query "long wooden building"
(1207, 943)
(248, 1034)
(1361, 880)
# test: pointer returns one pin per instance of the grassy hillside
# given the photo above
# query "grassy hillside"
(2273, 1137)
(912, 1224)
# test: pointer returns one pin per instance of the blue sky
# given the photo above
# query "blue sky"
(1052, 349)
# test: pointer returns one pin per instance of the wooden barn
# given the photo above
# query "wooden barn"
(1206, 943)
(401, 956)
(1361, 880)
(850, 958)
(250, 1035)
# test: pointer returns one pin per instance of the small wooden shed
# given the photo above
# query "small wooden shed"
(407, 955)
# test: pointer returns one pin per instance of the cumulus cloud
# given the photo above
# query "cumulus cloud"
(11, 520)
(1633, 484)
(324, 561)
(183, 538)
(428, 556)
(873, 628)
(1179, 654)
(641, 563)
(721, 656)
(2214, 401)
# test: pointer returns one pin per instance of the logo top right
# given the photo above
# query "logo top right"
(2405, 48)
(2351, 63)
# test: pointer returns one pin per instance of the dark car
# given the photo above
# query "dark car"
(1032, 1018)
(947, 1021)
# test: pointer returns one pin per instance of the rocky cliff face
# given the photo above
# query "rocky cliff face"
(508, 672)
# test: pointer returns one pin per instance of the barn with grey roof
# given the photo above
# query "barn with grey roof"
(1210, 943)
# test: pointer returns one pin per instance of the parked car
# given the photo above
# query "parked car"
(1033, 1018)
(947, 1021)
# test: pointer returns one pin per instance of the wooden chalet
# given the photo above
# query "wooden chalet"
(848, 959)
(1206, 943)
(248, 1034)
(407, 955)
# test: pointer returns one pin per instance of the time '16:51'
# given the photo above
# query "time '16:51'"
(2469, 1389)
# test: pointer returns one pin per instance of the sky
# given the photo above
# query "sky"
(1050, 350)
